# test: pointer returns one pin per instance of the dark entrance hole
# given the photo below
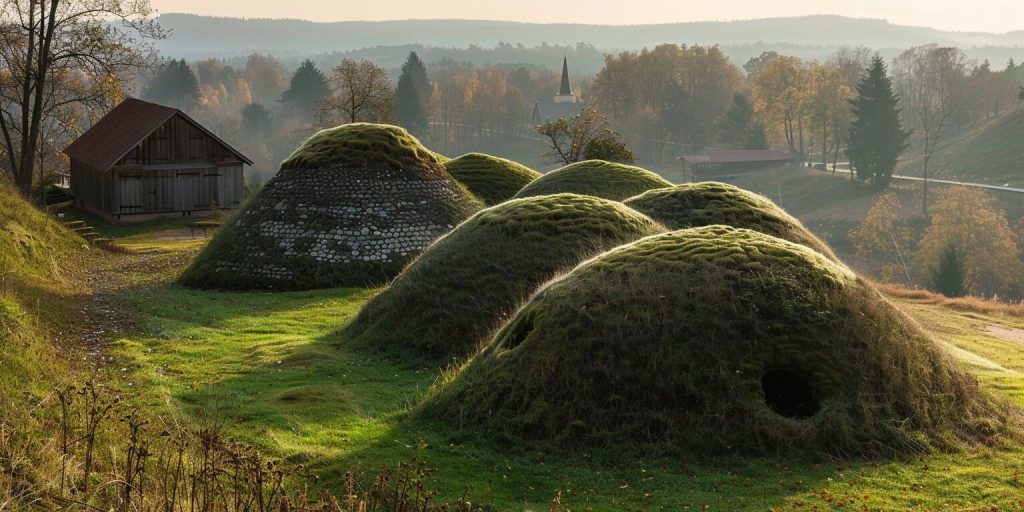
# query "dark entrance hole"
(789, 393)
(519, 333)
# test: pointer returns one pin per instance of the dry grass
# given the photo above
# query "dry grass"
(971, 304)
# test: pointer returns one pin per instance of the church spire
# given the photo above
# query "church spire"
(566, 89)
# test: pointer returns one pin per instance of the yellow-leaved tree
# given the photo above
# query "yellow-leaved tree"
(966, 221)
(884, 239)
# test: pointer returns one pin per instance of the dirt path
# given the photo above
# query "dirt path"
(1005, 333)
(101, 315)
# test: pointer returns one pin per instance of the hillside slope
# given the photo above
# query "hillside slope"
(990, 153)
(41, 266)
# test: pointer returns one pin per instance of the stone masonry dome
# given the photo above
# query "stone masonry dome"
(350, 207)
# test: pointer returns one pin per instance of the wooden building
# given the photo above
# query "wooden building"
(732, 162)
(143, 161)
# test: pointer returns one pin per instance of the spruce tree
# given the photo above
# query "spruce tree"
(308, 86)
(876, 137)
(174, 84)
(950, 276)
(738, 128)
(411, 95)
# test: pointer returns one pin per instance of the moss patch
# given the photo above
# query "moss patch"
(361, 144)
(694, 205)
(718, 340)
(596, 178)
(492, 179)
(468, 283)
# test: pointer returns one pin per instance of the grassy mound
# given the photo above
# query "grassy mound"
(363, 144)
(596, 178)
(41, 284)
(492, 179)
(351, 207)
(469, 282)
(720, 340)
(694, 205)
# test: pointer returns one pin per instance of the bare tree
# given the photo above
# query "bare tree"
(928, 79)
(584, 136)
(64, 61)
(362, 92)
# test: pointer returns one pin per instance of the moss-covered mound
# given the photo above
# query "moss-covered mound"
(358, 144)
(468, 283)
(717, 340)
(492, 179)
(351, 207)
(694, 205)
(596, 178)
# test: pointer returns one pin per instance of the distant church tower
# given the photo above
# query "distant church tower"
(565, 94)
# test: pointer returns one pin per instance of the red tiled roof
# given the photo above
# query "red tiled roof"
(118, 132)
(737, 156)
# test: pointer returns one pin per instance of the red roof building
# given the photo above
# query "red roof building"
(144, 160)
(732, 162)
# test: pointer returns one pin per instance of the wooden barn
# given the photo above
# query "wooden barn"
(144, 160)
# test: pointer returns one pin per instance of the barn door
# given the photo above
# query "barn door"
(130, 193)
(158, 190)
(190, 196)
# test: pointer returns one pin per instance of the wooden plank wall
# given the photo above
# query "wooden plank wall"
(186, 177)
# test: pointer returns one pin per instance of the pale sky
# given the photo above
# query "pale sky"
(964, 15)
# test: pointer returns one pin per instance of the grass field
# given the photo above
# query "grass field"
(273, 371)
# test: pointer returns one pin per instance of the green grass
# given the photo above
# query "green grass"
(213, 357)
(360, 144)
(477, 275)
(990, 152)
(494, 180)
(595, 178)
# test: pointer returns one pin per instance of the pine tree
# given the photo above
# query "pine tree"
(308, 86)
(174, 84)
(738, 128)
(411, 95)
(876, 137)
(950, 275)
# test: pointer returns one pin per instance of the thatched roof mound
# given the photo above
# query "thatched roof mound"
(716, 340)
(494, 180)
(596, 178)
(351, 207)
(694, 205)
(468, 283)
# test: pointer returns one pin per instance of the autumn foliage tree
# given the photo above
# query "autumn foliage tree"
(61, 64)
(882, 237)
(585, 136)
(967, 220)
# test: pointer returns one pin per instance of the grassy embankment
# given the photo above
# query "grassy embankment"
(272, 369)
(988, 152)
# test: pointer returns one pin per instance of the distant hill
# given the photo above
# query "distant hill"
(990, 153)
(198, 36)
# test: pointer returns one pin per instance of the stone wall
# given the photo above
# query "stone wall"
(339, 227)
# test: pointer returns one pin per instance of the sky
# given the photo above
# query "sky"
(963, 15)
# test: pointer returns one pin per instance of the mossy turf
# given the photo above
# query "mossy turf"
(694, 205)
(468, 283)
(360, 144)
(494, 180)
(596, 178)
(717, 340)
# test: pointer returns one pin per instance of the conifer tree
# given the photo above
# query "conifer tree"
(411, 95)
(950, 276)
(876, 136)
(308, 86)
(738, 128)
(174, 84)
